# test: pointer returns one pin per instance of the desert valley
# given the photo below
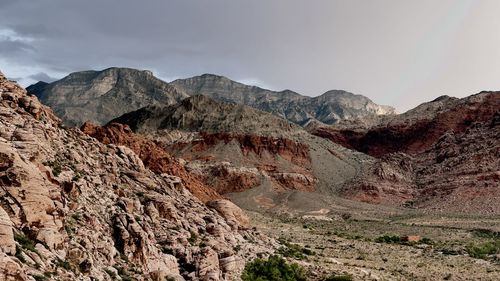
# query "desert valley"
(119, 175)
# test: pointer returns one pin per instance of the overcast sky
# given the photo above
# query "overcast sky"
(399, 52)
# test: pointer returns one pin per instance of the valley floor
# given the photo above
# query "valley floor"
(369, 248)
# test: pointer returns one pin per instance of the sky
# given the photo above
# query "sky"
(398, 52)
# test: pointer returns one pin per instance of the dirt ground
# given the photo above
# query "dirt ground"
(346, 243)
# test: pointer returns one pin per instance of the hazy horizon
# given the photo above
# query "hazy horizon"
(398, 53)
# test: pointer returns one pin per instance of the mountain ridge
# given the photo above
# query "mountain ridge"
(109, 93)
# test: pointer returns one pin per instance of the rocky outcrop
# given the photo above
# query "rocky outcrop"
(297, 153)
(99, 96)
(234, 146)
(152, 154)
(259, 154)
(329, 108)
(458, 172)
(82, 210)
(418, 129)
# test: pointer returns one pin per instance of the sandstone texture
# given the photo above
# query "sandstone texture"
(73, 208)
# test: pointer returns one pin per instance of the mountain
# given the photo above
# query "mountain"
(328, 108)
(415, 130)
(260, 161)
(74, 208)
(100, 96)
(441, 155)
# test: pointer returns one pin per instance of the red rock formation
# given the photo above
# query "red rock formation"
(225, 179)
(415, 137)
(459, 173)
(152, 154)
(297, 153)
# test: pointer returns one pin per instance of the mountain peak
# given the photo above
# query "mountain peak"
(100, 96)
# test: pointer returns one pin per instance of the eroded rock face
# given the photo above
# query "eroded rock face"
(458, 173)
(103, 95)
(83, 210)
(153, 155)
(262, 156)
(416, 130)
(328, 108)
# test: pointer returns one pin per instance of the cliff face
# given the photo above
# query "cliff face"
(258, 159)
(74, 208)
(152, 155)
(236, 148)
(99, 96)
(442, 155)
(417, 130)
(331, 107)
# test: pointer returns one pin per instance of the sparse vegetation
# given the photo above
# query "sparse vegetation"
(25, 242)
(482, 251)
(56, 167)
(124, 274)
(294, 250)
(275, 268)
(19, 254)
(64, 264)
(40, 277)
(192, 238)
(394, 239)
(335, 277)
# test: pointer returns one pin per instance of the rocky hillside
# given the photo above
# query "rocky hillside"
(252, 156)
(328, 108)
(100, 96)
(73, 208)
(442, 155)
(416, 130)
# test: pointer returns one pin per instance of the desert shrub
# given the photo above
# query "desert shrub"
(335, 277)
(388, 239)
(192, 238)
(64, 264)
(55, 166)
(394, 239)
(275, 268)
(124, 274)
(294, 251)
(25, 242)
(483, 250)
(486, 233)
(40, 278)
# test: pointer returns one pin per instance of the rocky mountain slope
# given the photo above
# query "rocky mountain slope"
(259, 160)
(73, 208)
(441, 155)
(416, 130)
(328, 108)
(100, 96)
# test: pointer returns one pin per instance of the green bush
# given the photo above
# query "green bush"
(388, 239)
(294, 251)
(273, 269)
(25, 242)
(483, 250)
(335, 277)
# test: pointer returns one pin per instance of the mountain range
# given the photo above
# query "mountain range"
(103, 95)
(118, 175)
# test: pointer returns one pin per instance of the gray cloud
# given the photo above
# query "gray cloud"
(396, 52)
